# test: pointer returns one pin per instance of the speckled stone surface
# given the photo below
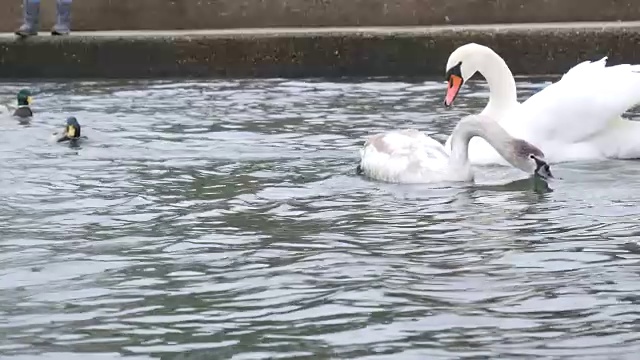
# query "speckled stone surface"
(219, 14)
(326, 52)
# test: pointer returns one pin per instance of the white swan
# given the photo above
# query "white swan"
(410, 156)
(576, 118)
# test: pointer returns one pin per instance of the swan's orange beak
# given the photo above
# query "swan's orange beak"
(455, 83)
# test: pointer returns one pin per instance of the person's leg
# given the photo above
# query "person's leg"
(63, 23)
(31, 11)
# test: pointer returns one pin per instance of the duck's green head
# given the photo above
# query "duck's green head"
(24, 98)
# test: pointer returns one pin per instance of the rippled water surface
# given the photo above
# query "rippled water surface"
(224, 220)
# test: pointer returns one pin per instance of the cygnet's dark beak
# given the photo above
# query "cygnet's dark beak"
(542, 168)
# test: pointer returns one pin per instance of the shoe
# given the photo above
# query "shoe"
(31, 10)
(63, 24)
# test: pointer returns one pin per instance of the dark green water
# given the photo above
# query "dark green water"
(224, 220)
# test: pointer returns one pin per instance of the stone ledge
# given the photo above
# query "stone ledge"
(311, 52)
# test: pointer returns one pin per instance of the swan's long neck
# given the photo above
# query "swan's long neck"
(502, 85)
(487, 129)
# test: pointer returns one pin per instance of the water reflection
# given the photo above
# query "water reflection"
(224, 219)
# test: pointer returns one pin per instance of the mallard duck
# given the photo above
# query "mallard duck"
(24, 100)
(70, 133)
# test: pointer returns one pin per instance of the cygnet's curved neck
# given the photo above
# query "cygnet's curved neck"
(485, 128)
(502, 85)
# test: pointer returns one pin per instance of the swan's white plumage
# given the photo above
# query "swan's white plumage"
(576, 118)
(409, 156)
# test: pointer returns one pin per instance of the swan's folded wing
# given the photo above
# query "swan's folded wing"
(402, 154)
(581, 105)
(585, 68)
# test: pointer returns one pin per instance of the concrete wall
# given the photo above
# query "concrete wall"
(544, 49)
(203, 14)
